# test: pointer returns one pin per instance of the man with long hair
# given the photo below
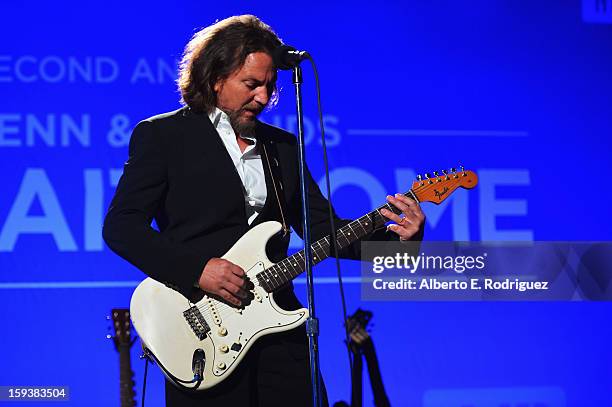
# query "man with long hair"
(209, 172)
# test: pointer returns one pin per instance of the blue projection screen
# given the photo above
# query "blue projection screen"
(519, 92)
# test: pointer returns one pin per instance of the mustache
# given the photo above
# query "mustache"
(235, 115)
(254, 109)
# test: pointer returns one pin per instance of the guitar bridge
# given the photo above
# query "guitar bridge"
(196, 321)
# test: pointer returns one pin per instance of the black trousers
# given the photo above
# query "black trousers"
(275, 372)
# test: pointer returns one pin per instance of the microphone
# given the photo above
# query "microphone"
(286, 57)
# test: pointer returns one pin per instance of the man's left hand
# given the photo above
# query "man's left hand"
(413, 217)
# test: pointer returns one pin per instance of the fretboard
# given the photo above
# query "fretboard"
(126, 381)
(286, 270)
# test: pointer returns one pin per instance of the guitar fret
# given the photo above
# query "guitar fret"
(341, 235)
(286, 271)
(393, 209)
(294, 264)
(285, 265)
(379, 220)
(352, 230)
(369, 223)
(319, 256)
(262, 281)
(316, 255)
(365, 232)
(271, 273)
(303, 257)
(275, 276)
(284, 278)
(324, 245)
(412, 195)
(301, 263)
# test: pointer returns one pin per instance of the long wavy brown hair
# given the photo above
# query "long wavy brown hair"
(218, 50)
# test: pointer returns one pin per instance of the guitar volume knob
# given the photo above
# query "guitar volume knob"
(222, 331)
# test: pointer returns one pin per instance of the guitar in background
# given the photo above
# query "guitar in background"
(123, 343)
(362, 345)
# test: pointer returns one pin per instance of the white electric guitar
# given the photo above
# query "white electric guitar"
(199, 344)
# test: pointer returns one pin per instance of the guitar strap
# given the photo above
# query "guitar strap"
(280, 202)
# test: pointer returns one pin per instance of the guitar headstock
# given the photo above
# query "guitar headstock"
(438, 187)
(122, 327)
(359, 318)
(122, 338)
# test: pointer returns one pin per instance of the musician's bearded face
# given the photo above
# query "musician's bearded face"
(247, 91)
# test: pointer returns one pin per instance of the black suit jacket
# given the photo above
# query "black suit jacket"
(180, 174)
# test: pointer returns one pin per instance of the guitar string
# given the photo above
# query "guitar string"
(344, 232)
(224, 310)
(425, 186)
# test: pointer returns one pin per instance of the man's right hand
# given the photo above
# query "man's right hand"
(224, 279)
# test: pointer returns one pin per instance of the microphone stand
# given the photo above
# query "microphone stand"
(312, 323)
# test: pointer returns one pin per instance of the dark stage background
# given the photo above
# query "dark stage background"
(518, 91)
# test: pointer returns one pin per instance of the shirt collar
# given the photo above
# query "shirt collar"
(219, 118)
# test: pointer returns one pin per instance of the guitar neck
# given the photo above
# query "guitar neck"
(286, 270)
(126, 383)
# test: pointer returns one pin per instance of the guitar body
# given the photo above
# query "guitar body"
(224, 333)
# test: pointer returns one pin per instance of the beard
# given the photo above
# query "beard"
(242, 125)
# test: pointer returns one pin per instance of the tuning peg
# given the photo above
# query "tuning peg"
(462, 169)
(426, 175)
(108, 336)
(444, 172)
(108, 318)
(436, 173)
(453, 169)
(419, 177)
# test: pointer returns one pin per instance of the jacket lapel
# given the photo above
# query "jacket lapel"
(206, 139)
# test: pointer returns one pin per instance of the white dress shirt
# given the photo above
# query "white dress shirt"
(248, 164)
